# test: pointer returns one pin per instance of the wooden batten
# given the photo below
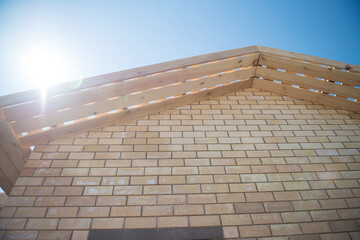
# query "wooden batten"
(130, 114)
(12, 156)
(305, 94)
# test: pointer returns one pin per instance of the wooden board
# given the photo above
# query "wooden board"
(335, 102)
(101, 93)
(11, 145)
(122, 75)
(128, 100)
(5, 183)
(304, 57)
(310, 69)
(342, 90)
(123, 116)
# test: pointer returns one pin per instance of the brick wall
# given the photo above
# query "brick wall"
(256, 163)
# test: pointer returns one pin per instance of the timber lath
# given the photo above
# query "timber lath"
(30, 118)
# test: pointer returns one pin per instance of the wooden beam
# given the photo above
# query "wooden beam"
(5, 183)
(130, 114)
(310, 69)
(304, 57)
(290, 78)
(121, 76)
(11, 145)
(107, 105)
(77, 98)
(335, 102)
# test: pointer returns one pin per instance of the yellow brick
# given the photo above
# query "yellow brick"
(157, 210)
(161, 189)
(107, 223)
(125, 211)
(167, 222)
(187, 210)
(157, 171)
(98, 190)
(214, 188)
(186, 189)
(143, 222)
(171, 199)
(127, 190)
(172, 180)
(141, 200)
(200, 221)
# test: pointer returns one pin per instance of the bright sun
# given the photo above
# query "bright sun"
(46, 65)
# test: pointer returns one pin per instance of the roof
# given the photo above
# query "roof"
(29, 118)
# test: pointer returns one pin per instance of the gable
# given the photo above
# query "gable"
(29, 119)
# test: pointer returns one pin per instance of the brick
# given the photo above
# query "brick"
(278, 206)
(107, 223)
(91, 163)
(219, 208)
(125, 211)
(254, 231)
(39, 191)
(292, 217)
(115, 181)
(43, 235)
(333, 203)
(30, 212)
(143, 180)
(324, 215)
(75, 172)
(80, 201)
(167, 222)
(211, 170)
(339, 193)
(266, 218)
(127, 190)
(83, 181)
(296, 185)
(277, 186)
(214, 188)
(12, 223)
(349, 213)
(188, 210)
(49, 201)
(81, 155)
(29, 181)
(285, 229)
(306, 205)
(249, 207)
(47, 172)
(315, 227)
(57, 181)
(61, 212)
(344, 226)
(253, 177)
(259, 197)
(74, 223)
(200, 221)
(230, 232)
(98, 190)
(314, 194)
(238, 219)
(143, 222)
(141, 200)
(145, 163)
(165, 189)
(157, 211)
(94, 212)
(130, 171)
(171, 199)
(42, 223)
(237, 169)
(186, 189)
(68, 191)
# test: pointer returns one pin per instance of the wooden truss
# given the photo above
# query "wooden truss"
(32, 117)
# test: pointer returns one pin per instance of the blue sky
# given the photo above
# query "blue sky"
(97, 37)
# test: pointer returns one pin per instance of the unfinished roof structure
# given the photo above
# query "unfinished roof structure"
(257, 141)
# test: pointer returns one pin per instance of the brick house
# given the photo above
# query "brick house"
(251, 143)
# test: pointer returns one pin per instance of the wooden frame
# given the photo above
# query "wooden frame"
(70, 108)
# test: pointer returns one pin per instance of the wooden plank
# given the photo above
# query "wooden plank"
(130, 114)
(342, 90)
(304, 57)
(128, 100)
(100, 93)
(7, 166)
(335, 102)
(5, 183)
(11, 145)
(310, 69)
(121, 75)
